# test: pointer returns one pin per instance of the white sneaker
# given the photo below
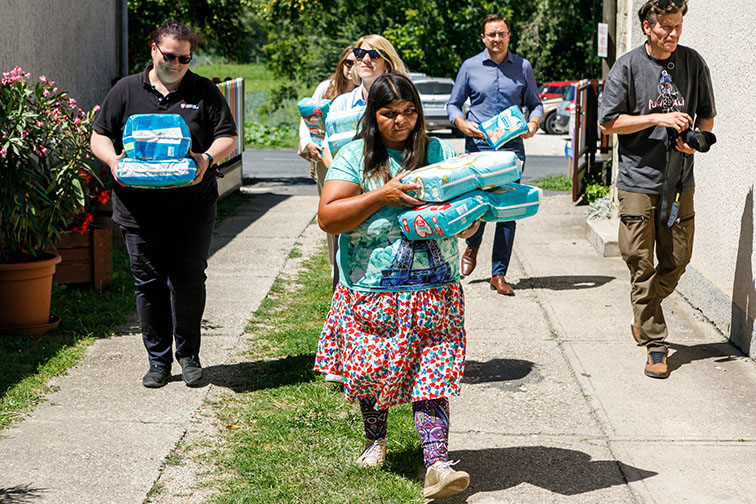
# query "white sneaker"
(443, 481)
(334, 378)
(374, 454)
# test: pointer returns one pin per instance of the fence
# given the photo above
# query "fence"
(257, 109)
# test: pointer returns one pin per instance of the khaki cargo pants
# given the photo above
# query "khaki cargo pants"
(639, 233)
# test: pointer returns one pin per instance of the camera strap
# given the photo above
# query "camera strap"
(675, 209)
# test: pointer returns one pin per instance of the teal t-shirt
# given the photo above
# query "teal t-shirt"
(375, 256)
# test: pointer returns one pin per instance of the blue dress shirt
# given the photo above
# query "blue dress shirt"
(493, 88)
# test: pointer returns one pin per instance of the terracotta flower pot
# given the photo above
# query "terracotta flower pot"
(25, 290)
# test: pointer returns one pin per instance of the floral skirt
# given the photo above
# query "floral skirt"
(395, 347)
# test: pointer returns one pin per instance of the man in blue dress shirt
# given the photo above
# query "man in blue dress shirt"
(494, 80)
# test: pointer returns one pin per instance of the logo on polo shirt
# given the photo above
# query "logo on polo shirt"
(190, 106)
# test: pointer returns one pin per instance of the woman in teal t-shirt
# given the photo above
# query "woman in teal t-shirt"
(395, 330)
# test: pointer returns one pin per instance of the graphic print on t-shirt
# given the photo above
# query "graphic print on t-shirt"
(669, 99)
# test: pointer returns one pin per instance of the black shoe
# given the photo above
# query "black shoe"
(156, 377)
(191, 371)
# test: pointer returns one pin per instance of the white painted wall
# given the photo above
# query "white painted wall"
(720, 278)
(73, 42)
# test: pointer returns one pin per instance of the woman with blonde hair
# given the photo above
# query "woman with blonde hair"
(374, 56)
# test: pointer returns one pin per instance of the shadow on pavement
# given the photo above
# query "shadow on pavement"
(259, 375)
(558, 470)
(563, 282)
(684, 354)
(286, 181)
(245, 215)
(496, 370)
(20, 494)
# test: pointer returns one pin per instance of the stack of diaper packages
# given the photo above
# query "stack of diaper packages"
(155, 148)
(465, 188)
(341, 127)
(313, 113)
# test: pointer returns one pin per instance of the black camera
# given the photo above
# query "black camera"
(699, 140)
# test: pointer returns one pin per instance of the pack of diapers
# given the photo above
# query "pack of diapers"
(313, 113)
(502, 128)
(150, 173)
(446, 219)
(343, 120)
(156, 136)
(155, 152)
(442, 220)
(512, 202)
(339, 140)
(449, 178)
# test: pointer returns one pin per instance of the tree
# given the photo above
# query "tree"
(432, 36)
(221, 24)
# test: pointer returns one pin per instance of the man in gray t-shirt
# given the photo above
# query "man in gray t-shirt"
(652, 94)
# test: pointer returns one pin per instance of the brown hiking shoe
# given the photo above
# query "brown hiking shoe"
(656, 364)
(469, 261)
(442, 481)
(634, 330)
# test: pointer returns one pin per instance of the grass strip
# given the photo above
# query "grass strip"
(554, 183)
(291, 437)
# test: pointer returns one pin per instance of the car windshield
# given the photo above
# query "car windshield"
(434, 88)
(549, 89)
(570, 94)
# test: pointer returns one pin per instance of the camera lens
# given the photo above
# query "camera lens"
(700, 140)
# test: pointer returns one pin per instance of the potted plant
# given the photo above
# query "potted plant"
(45, 164)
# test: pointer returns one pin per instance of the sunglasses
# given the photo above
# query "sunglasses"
(168, 57)
(663, 4)
(348, 63)
(360, 53)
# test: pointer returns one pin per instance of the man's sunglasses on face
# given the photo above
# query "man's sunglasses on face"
(168, 57)
(360, 53)
(663, 4)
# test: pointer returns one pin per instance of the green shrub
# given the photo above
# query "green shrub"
(283, 136)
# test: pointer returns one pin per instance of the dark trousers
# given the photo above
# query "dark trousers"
(505, 231)
(168, 262)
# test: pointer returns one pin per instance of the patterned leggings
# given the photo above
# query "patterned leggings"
(431, 422)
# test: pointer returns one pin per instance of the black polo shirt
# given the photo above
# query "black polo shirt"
(205, 111)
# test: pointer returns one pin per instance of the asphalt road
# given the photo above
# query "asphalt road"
(283, 171)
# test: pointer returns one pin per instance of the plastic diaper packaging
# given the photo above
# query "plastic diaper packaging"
(502, 128)
(512, 202)
(313, 113)
(442, 220)
(155, 152)
(343, 120)
(449, 178)
(150, 173)
(339, 140)
(156, 136)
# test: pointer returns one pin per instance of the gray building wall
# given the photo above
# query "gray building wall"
(73, 42)
(720, 279)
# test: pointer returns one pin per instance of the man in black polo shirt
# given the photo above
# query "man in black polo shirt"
(168, 231)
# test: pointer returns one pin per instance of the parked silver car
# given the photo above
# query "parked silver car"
(434, 93)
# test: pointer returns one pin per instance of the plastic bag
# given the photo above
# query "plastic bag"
(502, 128)
(156, 136)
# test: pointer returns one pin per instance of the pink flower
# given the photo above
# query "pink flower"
(42, 78)
(3, 151)
(46, 93)
(72, 103)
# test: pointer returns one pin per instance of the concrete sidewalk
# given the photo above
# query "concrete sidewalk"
(555, 406)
